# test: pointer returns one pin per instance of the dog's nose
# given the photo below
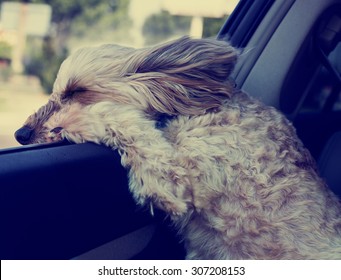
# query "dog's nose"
(24, 135)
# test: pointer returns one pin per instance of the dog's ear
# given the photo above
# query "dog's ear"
(185, 76)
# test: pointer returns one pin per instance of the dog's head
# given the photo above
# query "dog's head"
(185, 76)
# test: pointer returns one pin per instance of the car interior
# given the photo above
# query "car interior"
(293, 63)
(68, 201)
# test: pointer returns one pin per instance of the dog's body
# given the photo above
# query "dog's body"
(230, 171)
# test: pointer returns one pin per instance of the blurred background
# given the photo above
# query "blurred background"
(37, 35)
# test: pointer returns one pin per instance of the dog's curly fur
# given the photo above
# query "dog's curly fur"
(230, 171)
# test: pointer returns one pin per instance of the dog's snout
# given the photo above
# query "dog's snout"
(24, 135)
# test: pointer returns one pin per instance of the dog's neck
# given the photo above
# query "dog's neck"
(162, 120)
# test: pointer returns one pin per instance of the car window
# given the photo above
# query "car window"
(325, 92)
(313, 84)
(36, 37)
(311, 95)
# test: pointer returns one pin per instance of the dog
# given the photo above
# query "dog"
(229, 171)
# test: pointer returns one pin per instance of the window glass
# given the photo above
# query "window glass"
(325, 91)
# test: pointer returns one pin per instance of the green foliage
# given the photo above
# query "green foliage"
(5, 58)
(162, 26)
(159, 27)
(80, 16)
(75, 19)
(43, 61)
(64, 10)
(107, 20)
(5, 50)
(212, 26)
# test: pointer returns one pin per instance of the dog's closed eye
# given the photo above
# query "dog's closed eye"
(56, 130)
(69, 93)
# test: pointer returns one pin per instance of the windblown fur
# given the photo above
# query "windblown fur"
(230, 171)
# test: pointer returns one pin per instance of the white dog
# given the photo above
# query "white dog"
(230, 171)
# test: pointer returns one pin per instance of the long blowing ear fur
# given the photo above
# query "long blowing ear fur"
(186, 76)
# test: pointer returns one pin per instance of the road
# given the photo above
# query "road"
(19, 98)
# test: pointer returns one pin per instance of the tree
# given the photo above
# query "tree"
(43, 61)
(78, 17)
(161, 26)
(71, 19)
(212, 26)
(5, 58)
(5, 50)
(108, 21)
